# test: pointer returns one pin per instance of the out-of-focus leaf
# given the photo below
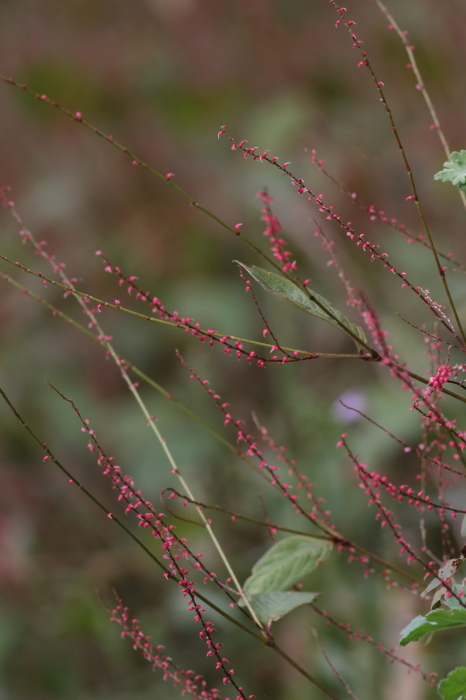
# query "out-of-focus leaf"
(453, 687)
(286, 563)
(287, 290)
(447, 570)
(451, 601)
(437, 599)
(463, 527)
(270, 607)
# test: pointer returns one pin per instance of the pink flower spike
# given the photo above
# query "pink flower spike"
(169, 176)
(237, 227)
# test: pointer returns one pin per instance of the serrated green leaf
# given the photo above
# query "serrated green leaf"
(286, 563)
(454, 170)
(270, 607)
(288, 291)
(453, 687)
(432, 622)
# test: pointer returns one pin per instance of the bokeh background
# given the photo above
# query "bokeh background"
(161, 76)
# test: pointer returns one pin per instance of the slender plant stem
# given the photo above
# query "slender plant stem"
(307, 675)
(388, 111)
(118, 307)
(413, 375)
(265, 641)
(77, 117)
(149, 419)
(394, 225)
(332, 536)
(420, 85)
(168, 178)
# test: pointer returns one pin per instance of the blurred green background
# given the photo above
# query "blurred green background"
(161, 76)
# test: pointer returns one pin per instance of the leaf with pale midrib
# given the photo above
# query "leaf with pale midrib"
(286, 563)
(287, 290)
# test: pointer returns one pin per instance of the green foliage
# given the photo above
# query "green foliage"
(270, 607)
(453, 687)
(286, 563)
(312, 303)
(463, 527)
(446, 571)
(434, 621)
(454, 170)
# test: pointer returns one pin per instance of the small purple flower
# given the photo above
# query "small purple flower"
(353, 399)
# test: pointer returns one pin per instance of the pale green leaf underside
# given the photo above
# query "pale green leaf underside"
(288, 291)
(432, 622)
(447, 570)
(453, 687)
(286, 563)
(270, 607)
(454, 170)
(452, 602)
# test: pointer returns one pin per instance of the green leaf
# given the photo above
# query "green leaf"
(433, 622)
(463, 527)
(454, 170)
(286, 563)
(287, 290)
(452, 602)
(270, 607)
(453, 687)
(437, 599)
(447, 570)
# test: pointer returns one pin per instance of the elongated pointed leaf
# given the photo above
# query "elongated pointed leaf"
(286, 563)
(432, 622)
(288, 291)
(453, 687)
(270, 607)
